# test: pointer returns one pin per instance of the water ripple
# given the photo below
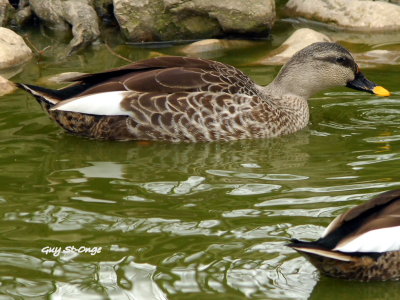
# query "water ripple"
(227, 173)
(313, 200)
(349, 187)
(362, 115)
(383, 139)
(194, 184)
(66, 218)
(374, 158)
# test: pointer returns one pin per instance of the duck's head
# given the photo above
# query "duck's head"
(321, 66)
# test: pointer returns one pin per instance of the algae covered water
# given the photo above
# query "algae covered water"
(128, 220)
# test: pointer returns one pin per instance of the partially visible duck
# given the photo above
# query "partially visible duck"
(362, 244)
(192, 99)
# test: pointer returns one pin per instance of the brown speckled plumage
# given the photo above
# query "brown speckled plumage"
(328, 255)
(192, 99)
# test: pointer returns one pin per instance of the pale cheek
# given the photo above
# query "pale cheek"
(335, 80)
(345, 78)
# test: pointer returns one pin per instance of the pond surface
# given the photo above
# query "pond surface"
(186, 221)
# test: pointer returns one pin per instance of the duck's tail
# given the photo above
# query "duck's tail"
(47, 98)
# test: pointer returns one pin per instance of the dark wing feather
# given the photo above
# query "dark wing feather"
(166, 80)
(168, 74)
(381, 204)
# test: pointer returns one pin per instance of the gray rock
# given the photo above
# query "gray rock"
(23, 15)
(50, 12)
(354, 15)
(148, 20)
(84, 21)
(13, 50)
(389, 37)
(5, 9)
(211, 45)
(300, 39)
(60, 14)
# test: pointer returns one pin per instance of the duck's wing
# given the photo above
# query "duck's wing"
(168, 74)
(375, 227)
(371, 227)
(377, 205)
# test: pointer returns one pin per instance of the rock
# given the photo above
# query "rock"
(209, 45)
(23, 15)
(5, 9)
(149, 20)
(300, 39)
(6, 86)
(355, 14)
(389, 37)
(84, 21)
(13, 50)
(59, 15)
(51, 13)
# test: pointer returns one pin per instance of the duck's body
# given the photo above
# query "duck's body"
(362, 244)
(192, 99)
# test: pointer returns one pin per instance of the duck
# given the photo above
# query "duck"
(175, 99)
(363, 244)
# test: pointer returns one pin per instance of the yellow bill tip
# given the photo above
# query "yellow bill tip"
(381, 91)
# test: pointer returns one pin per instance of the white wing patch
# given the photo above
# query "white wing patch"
(378, 240)
(104, 104)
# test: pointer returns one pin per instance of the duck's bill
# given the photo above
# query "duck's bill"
(361, 83)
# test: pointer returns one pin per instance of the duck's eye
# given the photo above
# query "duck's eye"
(340, 59)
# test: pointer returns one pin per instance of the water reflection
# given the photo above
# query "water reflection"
(134, 159)
(123, 279)
(253, 277)
(148, 167)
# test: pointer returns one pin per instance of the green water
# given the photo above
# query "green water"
(186, 221)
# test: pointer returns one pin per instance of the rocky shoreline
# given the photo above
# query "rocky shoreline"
(205, 20)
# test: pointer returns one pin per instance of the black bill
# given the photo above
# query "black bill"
(361, 83)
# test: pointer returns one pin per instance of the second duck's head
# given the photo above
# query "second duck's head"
(321, 66)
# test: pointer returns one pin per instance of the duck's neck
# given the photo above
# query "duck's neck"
(292, 108)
